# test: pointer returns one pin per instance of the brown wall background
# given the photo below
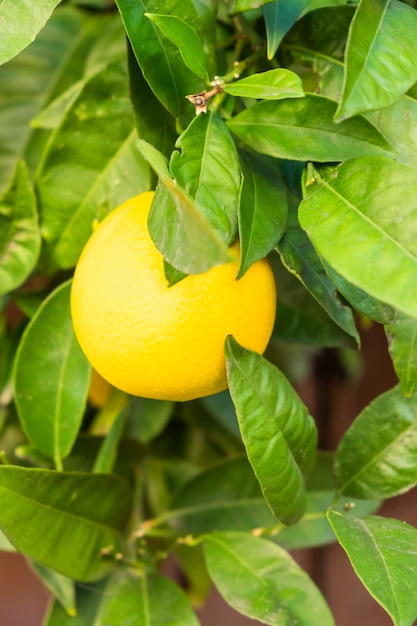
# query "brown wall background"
(327, 393)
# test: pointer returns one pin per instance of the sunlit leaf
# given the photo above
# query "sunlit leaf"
(51, 378)
(278, 433)
(377, 457)
(303, 129)
(41, 509)
(376, 75)
(206, 165)
(272, 587)
(30, 22)
(268, 85)
(367, 233)
(383, 554)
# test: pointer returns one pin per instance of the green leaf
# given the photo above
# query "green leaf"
(155, 158)
(187, 41)
(263, 209)
(402, 340)
(300, 319)
(279, 435)
(147, 418)
(270, 85)
(88, 601)
(106, 166)
(60, 587)
(159, 59)
(126, 175)
(143, 599)
(30, 21)
(34, 77)
(239, 6)
(206, 165)
(226, 496)
(51, 378)
(377, 457)
(300, 258)
(303, 129)
(360, 300)
(272, 587)
(376, 74)
(279, 17)
(181, 233)
(153, 122)
(314, 528)
(366, 232)
(107, 455)
(19, 231)
(383, 554)
(80, 514)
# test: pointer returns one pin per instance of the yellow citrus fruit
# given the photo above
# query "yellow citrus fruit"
(99, 390)
(156, 341)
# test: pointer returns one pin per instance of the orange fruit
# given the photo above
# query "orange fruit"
(156, 341)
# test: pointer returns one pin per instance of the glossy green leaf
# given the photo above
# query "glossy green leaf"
(19, 231)
(226, 496)
(300, 319)
(79, 514)
(303, 129)
(279, 17)
(186, 39)
(51, 378)
(269, 85)
(376, 73)
(367, 232)
(279, 435)
(383, 554)
(30, 21)
(320, 44)
(263, 209)
(402, 340)
(60, 587)
(377, 457)
(143, 599)
(272, 587)
(182, 234)
(107, 166)
(300, 258)
(206, 165)
(159, 59)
